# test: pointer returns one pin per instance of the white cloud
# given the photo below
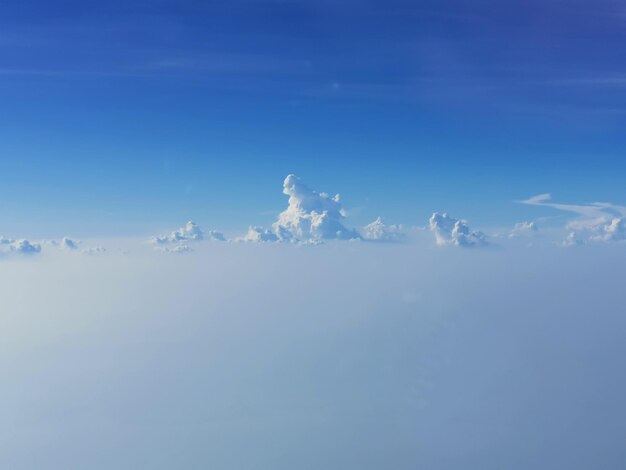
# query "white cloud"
(451, 231)
(6, 241)
(190, 232)
(177, 248)
(597, 221)
(69, 244)
(94, 250)
(614, 230)
(310, 216)
(379, 231)
(258, 234)
(180, 238)
(24, 247)
(524, 229)
(538, 199)
(292, 352)
(572, 240)
(215, 235)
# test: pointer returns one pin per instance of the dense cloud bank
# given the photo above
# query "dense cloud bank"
(358, 355)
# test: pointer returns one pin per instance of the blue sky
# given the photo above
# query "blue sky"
(121, 117)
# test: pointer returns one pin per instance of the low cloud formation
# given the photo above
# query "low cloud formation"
(24, 247)
(258, 234)
(190, 232)
(615, 230)
(524, 229)
(215, 235)
(74, 246)
(572, 240)
(451, 231)
(379, 231)
(345, 355)
(94, 250)
(68, 244)
(177, 241)
(597, 221)
(310, 216)
(179, 248)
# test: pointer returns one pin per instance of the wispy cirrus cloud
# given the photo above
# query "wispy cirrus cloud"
(596, 221)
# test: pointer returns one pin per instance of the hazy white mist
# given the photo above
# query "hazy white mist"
(342, 356)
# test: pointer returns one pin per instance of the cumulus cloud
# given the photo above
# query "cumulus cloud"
(190, 232)
(451, 231)
(23, 246)
(258, 234)
(178, 240)
(615, 230)
(597, 221)
(69, 244)
(524, 229)
(94, 250)
(310, 215)
(178, 248)
(572, 240)
(379, 231)
(215, 235)
(310, 218)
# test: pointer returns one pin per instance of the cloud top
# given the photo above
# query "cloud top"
(22, 246)
(190, 232)
(456, 232)
(379, 231)
(310, 216)
(524, 229)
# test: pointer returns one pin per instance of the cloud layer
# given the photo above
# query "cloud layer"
(346, 356)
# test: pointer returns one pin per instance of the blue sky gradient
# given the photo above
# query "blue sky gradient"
(118, 118)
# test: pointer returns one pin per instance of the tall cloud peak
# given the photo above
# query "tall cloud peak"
(310, 216)
(451, 231)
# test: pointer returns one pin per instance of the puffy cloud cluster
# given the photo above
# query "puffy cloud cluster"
(613, 230)
(179, 248)
(190, 232)
(595, 222)
(258, 234)
(74, 246)
(65, 243)
(451, 231)
(94, 250)
(379, 231)
(310, 215)
(8, 245)
(572, 240)
(215, 235)
(178, 240)
(524, 229)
